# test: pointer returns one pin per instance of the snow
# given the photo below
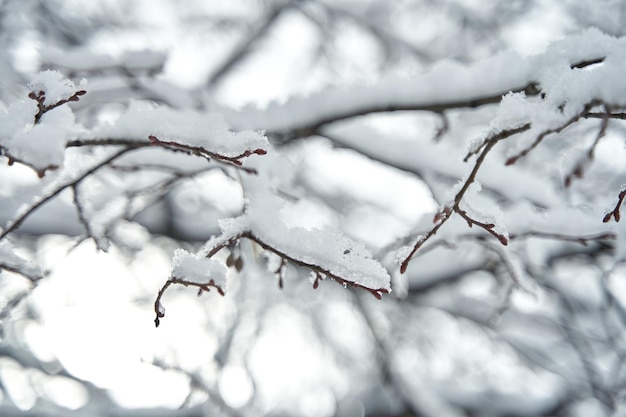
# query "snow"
(40, 145)
(446, 82)
(327, 249)
(198, 269)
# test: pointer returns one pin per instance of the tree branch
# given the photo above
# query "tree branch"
(18, 221)
(445, 214)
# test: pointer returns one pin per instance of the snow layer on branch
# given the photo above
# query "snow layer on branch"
(40, 145)
(566, 87)
(322, 249)
(55, 86)
(198, 269)
(482, 209)
(326, 248)
(188, 127)
(446, 82)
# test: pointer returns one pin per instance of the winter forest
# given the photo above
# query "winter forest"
(312, 208)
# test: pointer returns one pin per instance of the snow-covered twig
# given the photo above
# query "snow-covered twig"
(445, 214)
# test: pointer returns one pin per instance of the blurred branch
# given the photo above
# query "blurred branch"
(43, 200)
(310, 129)
(388, 39)
(246, 46)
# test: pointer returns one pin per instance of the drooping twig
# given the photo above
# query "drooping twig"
(202, 287)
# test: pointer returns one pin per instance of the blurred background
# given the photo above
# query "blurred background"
(456, 337)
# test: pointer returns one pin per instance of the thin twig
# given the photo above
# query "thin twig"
(17, 222)
(616, 210)
(559, 129)
(200, 151)
(446, 212)
(579, 169)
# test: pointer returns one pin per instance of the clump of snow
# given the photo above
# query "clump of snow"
(185, 127)
(198, 269)
(55, 86)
